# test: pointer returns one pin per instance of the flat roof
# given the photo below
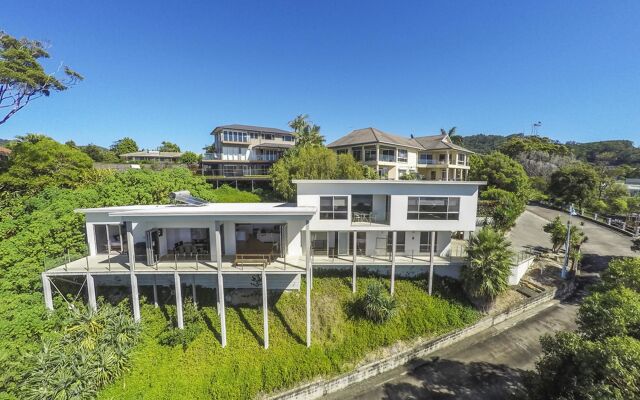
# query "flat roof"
(382, 181)
(211, 209)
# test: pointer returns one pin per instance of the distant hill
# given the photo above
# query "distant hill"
(607, 152)
(485, 144)
(3, 142)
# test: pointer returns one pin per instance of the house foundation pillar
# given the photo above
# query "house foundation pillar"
(265, 310)
(91, 291)
(46, 290)
(431, 251)
(394, 237)
(178, 290)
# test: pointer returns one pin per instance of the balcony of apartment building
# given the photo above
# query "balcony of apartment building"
(248, 171)
(446, 166)
(369, 210)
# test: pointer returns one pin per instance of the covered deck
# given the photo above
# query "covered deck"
(119, 264)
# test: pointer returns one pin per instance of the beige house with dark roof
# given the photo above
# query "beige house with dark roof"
(433, 158)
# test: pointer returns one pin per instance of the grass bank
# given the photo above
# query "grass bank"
(204, 370)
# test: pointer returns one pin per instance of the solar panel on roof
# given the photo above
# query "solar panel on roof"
(185, 197)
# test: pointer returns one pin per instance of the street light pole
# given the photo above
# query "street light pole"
(567, 245)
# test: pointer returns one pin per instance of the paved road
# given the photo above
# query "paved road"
(489, 365)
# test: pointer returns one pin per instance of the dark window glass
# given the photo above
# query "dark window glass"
(433, 208)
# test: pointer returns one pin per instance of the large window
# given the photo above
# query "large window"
(400, 242)
(403, 155)
(462, 158)
(370, 154)
(342, 151)
(357, 153)
(333, 207)
(433, 208)
(287, 138)
(388, 155)
(233, 136)
(425, 242)
(426, 158)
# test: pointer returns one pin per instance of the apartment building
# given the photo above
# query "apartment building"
(393, 228)
(433, 158)
(244, 152)
(152, 156)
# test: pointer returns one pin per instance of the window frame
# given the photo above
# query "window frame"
(332, 211)
(420, 210)
(404, 159)
(368, 150)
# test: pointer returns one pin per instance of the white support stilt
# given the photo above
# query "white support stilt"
(431, 251)
(178, 290)
(355, 253)
(307, 252)
(223, 321)
(193, 292)
(155, 292)
(130, 247)
(91, 291)
(265, 310)
(394, 236)
(135, 301)
(46, 290)
(308, 288)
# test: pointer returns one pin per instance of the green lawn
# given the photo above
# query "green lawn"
(204, 370)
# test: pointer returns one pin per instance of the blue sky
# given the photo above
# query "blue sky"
(173, 70)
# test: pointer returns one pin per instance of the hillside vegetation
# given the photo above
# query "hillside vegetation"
(37, 222)
(202, 369)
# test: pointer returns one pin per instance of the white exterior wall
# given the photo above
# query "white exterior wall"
(309, 195)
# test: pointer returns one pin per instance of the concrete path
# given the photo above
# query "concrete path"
(490, 365)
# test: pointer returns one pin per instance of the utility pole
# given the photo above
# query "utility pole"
(567, 245)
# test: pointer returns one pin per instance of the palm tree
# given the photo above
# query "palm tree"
(455, 138)
(306, 132)
(488, 267)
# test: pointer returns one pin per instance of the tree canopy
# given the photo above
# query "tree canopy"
(525, 144)
(124, 145)
(314, 162)
(189, 157)
(169, 147)
(500, 172)
(38, 161)
(574, 183)
(22, 76)
(306, 132)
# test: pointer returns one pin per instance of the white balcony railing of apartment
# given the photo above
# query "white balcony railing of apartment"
(430, 161)
(212, 156)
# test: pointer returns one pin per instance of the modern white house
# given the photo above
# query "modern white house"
(434, 158)
(392, 228)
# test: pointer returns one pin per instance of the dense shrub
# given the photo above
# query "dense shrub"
(377, 304)
(92, 350)
(192, 318)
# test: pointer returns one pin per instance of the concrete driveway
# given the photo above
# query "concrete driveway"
(490, 365)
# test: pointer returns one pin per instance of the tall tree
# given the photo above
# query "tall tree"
(169, 147)
(575, 183)
(124, 145)
(38, 161)
(453, 135)
(314, 162)
(305, 131)
(22, 77)
(500, 172)
(488, 267)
